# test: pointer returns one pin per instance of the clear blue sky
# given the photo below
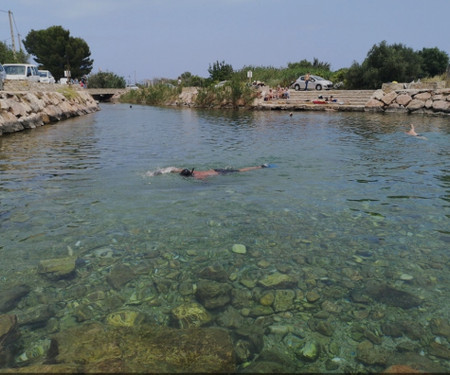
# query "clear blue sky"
(164, 38)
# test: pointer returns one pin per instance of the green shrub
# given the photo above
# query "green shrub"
(159, 94)
(104, 80)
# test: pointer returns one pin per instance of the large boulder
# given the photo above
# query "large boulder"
(415, 104)
(96, 348)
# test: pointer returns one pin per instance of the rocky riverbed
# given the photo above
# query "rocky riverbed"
(240, 309)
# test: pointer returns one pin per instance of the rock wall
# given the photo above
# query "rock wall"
(21, 110)
(427, 101)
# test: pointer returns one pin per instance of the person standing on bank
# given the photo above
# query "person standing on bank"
(307, 79)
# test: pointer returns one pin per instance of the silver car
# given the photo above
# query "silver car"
(316, 82)
(2, 76)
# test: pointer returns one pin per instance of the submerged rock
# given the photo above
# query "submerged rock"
(239, 249)
(370, 355)
(125, 318)
(213, 294)
(120, 274)
(9, 298)
(8, 335)
(57, 268)
(214, 272)
(284, 300)
(391, 296)
(36, 352)
(96, 348)
(189, 315)
(440, 327)
(277, 280)
(310, 351)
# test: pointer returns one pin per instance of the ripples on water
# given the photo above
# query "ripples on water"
(352, 199)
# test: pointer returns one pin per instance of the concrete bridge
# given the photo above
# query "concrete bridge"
(105, 95)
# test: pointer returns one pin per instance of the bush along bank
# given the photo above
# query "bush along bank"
(425, 101)
(229, 95)
(28, 110)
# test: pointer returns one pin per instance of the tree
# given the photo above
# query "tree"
(187, 79)
(220, 71)
(55, 50)
(434, 61)
(385, 63)
(7, 56)
(106, 80)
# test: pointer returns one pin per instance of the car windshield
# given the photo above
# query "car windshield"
(317, 78)
(15, 69)
(43, 74)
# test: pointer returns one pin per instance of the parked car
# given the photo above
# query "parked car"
(2, 76)
(46, 76)
(316, 82)
(22, 71)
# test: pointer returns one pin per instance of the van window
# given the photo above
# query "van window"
(19, 70)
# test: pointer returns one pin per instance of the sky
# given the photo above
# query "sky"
(147, 39)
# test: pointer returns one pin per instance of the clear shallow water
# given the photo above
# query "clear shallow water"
(344, 185)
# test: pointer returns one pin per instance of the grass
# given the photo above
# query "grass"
(68, 92)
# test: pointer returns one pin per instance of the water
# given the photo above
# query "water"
(352, 199)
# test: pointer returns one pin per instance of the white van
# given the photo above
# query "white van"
(22, 71)
(46, 76)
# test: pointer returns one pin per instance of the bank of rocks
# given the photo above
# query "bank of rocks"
(425, 101)
(30, 109)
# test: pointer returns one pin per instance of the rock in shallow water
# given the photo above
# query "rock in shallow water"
(96, 348)
(9, 298)
(239, 249)
(213, 294)
(57, 268)
(310, 351)
(120, 274)
(391, 296)
(277, 280)
(190, 315)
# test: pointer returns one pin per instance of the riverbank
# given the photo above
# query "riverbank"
(419, 101)
(32, 107)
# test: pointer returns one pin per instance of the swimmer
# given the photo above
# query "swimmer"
(213, 172)
(412, 132)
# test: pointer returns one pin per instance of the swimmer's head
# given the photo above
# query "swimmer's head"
(187, 172)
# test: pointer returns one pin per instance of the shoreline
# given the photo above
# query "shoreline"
(28, 109)
(30, 106)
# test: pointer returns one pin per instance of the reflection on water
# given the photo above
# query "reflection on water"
(346, 241)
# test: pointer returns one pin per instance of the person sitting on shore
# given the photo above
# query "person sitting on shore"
(213, 172)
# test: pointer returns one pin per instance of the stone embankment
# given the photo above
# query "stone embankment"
(391, 98)
(27, 106)
(426, 101)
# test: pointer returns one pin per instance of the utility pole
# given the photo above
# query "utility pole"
(20, 42)
(12, 33)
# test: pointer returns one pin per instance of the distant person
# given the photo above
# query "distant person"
(412, 132)
(307, 79)
(213, 172)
